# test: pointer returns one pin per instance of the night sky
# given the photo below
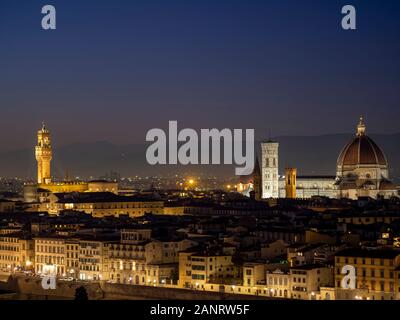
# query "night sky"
(115, 69)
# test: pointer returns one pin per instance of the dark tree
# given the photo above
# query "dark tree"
(81, 294)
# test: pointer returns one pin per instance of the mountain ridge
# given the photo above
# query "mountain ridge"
(311, 155)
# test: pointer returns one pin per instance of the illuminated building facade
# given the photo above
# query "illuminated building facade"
(93, 260)
(44, 154)
(307, 280)
(198, 269)
(16, 253)
(50, 252)
(362, 169)
(270, 169)
(101, 204)
(377, 275)
(290, 182)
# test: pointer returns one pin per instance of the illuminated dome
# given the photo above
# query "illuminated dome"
(362, 151)
(362, 169)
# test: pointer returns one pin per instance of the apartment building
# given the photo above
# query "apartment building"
(278, 283)
(254, 274)
(166, 251)
(16, 253)
(376, 274)
(72, 258)
(306, 280)
(127, 263)
(50, 255)
(138, 259)
(199, 268)
(302, 254)
(93, 259)
(102, 204)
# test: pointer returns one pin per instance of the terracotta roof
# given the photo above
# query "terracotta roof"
(362, 150)
(386, 185)
(369, 253)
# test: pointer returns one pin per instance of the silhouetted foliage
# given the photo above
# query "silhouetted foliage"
(81, 294)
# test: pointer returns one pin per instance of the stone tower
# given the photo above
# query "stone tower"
(269, 171)
(44, 155)
(290, 182)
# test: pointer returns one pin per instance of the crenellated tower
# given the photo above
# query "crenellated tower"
(44, 154)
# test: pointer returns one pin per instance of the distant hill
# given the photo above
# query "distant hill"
(312, 155)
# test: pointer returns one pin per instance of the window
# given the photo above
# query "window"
(194, 267)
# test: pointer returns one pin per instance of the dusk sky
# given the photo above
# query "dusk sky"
(115, 69)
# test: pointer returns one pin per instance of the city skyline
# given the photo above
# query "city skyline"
(92, 160)
(221, 151)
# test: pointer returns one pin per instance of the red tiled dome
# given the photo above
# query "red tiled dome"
(362, 151)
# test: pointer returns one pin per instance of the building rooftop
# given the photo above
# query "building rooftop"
(308, 177)
(369, 253)
(90, 197)
(308, 267)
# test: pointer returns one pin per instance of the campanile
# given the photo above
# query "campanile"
(44, 155)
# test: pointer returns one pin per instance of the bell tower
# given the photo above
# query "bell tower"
(44, 155)
(290, 182)
(269, 171)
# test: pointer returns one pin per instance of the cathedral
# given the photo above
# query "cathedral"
(362, 170)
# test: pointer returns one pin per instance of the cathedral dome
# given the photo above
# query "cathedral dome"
(362, 150)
